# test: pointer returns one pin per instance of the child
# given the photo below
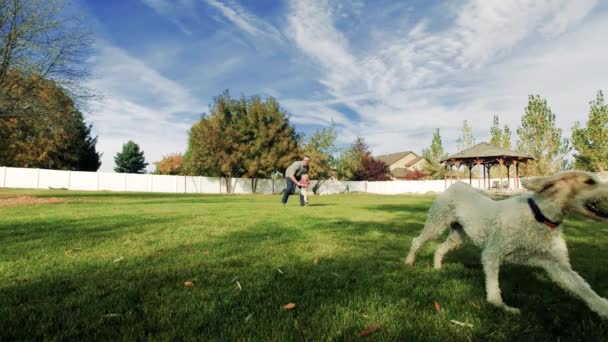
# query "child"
(304, 184)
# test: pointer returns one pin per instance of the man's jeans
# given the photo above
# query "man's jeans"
(290, 186)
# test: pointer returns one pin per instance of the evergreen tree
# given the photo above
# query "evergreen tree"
(539, 138)
(433, 155)
(130, 160)
(591, 142)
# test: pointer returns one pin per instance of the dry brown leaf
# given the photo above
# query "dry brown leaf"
(289, 306)
(437, 306)
(189, 284)
(68, 252)
(369, 330)
(316, 261)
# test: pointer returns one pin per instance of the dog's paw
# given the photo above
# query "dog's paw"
(511, 310)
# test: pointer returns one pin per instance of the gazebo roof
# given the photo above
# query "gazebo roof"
(486, 151)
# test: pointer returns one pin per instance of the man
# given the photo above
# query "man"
(292, 178)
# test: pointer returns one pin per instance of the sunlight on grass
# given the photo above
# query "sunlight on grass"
(112, 266)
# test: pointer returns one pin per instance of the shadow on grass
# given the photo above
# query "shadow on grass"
(144, 296)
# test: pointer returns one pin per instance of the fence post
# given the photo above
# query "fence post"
(69, 178)
(4, 177)
(124, 181)
(151, 183)
(37, 178)
(98, 175)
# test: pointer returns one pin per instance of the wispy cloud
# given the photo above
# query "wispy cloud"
(172, 10)
(437, 75)
(245, 20)
(141, 105)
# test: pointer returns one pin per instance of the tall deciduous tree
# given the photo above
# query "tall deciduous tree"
(52, 134)
(273, 145)
(240, 138)
(130, 160)
(320, 147)
(350, 161)
(540, 138)
(466, 138)
(41, 38)
(591, 142)
(433, 155)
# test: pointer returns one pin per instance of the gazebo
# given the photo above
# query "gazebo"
(487, 155)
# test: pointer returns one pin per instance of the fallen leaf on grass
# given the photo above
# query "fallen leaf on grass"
(188, 284)
(462, 324)
(234, 279)
(369, 330)
(289, 306)
(112, 315)
(437, 306)
(117, 260)
(316, 261)
(335, 275)
(248, 318)
(278, 269)
(72, 251)
(239, 285)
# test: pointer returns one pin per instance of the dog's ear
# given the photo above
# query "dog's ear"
(537, 184)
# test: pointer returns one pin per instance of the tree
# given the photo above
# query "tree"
(320, 147)
(466, 138)
(239, 138)
(273, 143)
(500, 137)
(350, 161)
(539, 138)
(52, 134)
(496, 132)
(41, 38)
(591, 142)
(130, 160)
(433, 155)
(171, 164)
(372, 170)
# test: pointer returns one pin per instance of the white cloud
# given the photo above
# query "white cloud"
(141, 105)
(245, 20)
(485, 61)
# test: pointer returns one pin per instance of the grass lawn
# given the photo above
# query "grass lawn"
(112, 266)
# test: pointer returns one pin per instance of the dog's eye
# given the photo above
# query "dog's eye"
(590, 181)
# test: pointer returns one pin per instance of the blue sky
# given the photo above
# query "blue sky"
(389, 71)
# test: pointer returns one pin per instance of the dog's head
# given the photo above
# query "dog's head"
(578, 191)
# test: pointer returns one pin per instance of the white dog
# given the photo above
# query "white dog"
(525, 229)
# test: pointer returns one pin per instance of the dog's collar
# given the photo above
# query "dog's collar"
(538, 215)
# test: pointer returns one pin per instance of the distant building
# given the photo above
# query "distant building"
(401, 163)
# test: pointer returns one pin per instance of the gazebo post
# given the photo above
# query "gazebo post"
(516, 174)
(489, 177)
(457, 164)
(470, 166)
(508, 175)
(501, 163)
(478, 161)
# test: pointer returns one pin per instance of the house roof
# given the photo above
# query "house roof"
(413, 162)
(392, 158)
(485, 150)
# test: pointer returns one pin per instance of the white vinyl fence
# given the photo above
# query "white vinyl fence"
(77, 180)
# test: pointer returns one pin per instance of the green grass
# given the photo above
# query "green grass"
(216, 241)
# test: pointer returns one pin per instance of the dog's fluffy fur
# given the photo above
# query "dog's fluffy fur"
(507, 231)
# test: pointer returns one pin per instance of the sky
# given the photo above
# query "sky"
(388, 71)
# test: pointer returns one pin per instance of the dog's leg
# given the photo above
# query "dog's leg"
(571, 281)
(438, 221)
(454, 241)
(491, 267)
